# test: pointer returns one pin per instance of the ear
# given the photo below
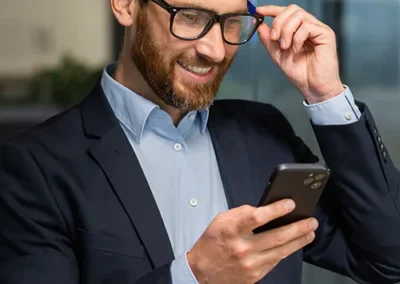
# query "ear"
(123, 11)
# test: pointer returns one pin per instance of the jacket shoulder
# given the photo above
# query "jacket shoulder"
(253, 112)
(61, 129)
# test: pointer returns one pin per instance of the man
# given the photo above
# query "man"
(148, 181)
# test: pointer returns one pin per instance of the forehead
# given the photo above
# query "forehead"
(220, 6)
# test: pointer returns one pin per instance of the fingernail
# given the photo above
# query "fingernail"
(313, 224)
(289, 204)
(273, 34)
(310, 236)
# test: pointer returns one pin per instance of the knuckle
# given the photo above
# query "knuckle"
(278, 208)
(227, 232)
(293, 6)
(299, 229)
(308, 24)
(331, 32)
(240, 250)
(256, 218)
(247, 265)
(219, 220)
(277, 23)
(297, 40)
(284, 253)
(299, 13)
(219, 217)
(246, 208)
(280, 238)
(286, 31)
(256, 275)
(303, 227)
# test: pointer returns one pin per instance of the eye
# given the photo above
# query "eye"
(233, 22)
(190, 15)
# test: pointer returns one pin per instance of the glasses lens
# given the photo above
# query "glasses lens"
(239, 28)
(190, 23)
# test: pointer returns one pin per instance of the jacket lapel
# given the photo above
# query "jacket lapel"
(115, 156)
(233, 160)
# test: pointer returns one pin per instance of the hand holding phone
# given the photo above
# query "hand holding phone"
(303, 183)
(229, 252)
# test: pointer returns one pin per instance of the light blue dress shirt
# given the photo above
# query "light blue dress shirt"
(180, 164)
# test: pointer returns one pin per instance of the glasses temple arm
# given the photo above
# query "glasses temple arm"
(251, 8)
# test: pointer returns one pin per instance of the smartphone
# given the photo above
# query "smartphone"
(303, 183)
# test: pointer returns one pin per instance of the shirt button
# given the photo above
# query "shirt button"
(348, 116)
(193, 202)
(178, 147)
(192, 117)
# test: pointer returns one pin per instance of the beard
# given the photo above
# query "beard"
(158, 70)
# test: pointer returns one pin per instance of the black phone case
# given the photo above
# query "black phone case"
(303, 183)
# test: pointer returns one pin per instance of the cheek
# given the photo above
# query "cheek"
(231, 50)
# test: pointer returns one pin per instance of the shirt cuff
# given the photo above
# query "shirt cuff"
(181, 272)
(336, 111)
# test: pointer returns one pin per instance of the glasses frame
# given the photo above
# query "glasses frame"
(215, 18)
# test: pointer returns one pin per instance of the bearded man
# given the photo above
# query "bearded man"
(148, 180)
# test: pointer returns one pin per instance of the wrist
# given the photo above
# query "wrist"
(319, 97)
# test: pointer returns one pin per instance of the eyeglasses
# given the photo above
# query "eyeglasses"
(193, 23)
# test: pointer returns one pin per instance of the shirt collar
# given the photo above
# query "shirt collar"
(131, 109)
(204, 119)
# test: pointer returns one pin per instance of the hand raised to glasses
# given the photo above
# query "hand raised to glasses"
(305, 49)
(229, 253)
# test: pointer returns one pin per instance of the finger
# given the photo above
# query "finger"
(273, 256)
(287, 29)
(281, 19)
(318, 35)
(264, 214)
(270, 10)
(281, 236)
(264, 34)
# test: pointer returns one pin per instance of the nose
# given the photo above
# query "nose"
(212, 46)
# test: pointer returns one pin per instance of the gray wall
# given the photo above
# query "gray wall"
(370, 57)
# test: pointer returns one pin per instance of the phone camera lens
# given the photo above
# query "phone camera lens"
(320, 177)
(316, 185)
(308, 181)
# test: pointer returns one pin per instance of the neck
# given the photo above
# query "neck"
(128, 75)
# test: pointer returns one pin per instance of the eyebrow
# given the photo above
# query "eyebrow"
(194, 6)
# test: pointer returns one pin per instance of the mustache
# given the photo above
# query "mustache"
(199, 62)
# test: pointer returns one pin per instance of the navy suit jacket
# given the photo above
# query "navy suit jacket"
(75, 206)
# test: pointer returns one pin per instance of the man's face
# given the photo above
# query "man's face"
(184, 74)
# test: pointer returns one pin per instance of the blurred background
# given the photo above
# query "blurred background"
(52, 52)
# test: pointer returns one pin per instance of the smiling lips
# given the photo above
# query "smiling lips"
(194, 69)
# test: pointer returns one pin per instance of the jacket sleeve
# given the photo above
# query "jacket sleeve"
(35, 242)
(359, 212)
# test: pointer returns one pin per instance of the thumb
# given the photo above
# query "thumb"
(272, 46)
